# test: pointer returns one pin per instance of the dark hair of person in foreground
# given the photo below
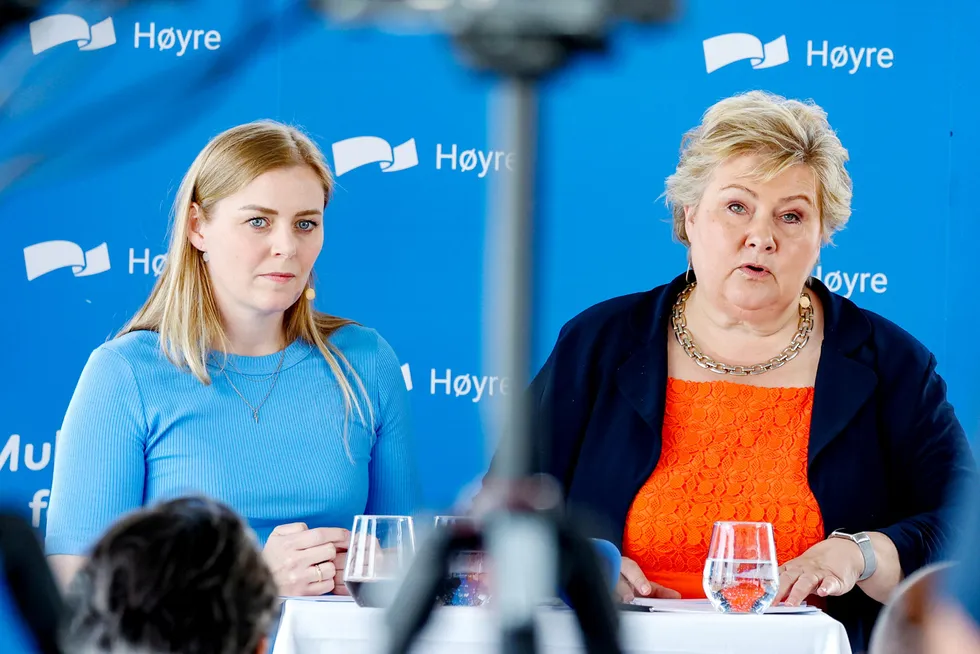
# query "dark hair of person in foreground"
(183, 576)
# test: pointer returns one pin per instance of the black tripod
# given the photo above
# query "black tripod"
(578, 574)
(534, 550)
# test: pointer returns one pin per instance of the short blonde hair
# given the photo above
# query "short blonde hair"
(782, 132)
(182, 309)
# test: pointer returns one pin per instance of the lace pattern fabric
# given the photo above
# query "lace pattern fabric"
(730, 452)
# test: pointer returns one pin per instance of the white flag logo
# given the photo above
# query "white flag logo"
(720, 51)
(42, 258)
(407, 375)
(52, 31)
(363, 150)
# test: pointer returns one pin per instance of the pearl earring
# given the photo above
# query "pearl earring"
(206, 257)
(310, 294)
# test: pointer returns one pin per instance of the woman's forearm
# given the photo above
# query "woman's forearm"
(888, 573)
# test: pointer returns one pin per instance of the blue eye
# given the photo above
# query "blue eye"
(737, 208)
(793, 218)
(258, 222)
(307, 225)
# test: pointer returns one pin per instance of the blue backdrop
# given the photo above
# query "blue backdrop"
(99, 120)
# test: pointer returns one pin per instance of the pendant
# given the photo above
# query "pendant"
(255, 414)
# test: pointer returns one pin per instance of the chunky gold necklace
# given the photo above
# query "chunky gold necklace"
(800, 339)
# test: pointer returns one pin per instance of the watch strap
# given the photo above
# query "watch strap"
(863, 541)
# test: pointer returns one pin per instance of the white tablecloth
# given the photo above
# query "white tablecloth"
(310, 627)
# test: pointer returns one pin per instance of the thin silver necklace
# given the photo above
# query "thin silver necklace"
(247, 377)
(274, 376)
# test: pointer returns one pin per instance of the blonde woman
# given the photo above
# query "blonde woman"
(745, 390)
(228, 383)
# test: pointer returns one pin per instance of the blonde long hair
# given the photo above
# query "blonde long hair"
(181, 308)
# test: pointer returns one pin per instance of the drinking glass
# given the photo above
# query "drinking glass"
(468, 580)
(380, 552)
(740, 575)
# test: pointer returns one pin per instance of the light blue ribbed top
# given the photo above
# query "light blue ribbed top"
(139, 430)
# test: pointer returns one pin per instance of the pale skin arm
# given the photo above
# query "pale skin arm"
(888, 574)
(291, 552)
(632, 582)
(65, 567)
(832, 567)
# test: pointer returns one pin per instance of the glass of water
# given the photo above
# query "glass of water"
(468, 581)
(740, 575)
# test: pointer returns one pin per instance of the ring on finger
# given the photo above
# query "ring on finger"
(319, 572)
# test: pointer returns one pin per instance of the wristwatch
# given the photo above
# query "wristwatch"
(864, 542)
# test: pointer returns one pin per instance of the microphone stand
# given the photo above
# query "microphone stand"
(534, 549)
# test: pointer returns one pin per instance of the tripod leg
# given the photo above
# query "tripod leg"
(518, 640)
(590, 598)
(426, 579)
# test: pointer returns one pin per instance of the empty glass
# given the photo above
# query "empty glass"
(467, 583)
(380, 552)
(740, 575)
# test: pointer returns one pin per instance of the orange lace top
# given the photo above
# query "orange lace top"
(730, 452)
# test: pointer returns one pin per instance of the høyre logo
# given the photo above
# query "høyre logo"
(52, 31)
(720, 51)
(363, 150)
(407, 375)
(42, 258)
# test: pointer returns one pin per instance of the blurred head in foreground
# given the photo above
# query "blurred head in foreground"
(953, 623)
(901, 627)
(182, 577)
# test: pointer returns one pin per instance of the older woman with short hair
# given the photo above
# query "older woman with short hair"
(745, 390)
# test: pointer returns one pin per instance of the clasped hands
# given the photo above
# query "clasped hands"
(307, 561)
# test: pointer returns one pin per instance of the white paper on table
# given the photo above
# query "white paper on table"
(318, 598)
(705, 606)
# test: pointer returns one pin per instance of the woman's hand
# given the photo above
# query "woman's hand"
(339, 564)
(831, 567)
(307, 561)
(633, 582)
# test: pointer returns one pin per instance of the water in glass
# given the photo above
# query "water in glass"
(740, 575)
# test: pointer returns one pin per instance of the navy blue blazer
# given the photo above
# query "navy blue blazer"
(885, 448)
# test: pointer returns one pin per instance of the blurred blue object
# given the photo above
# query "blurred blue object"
(962, 586)
(610, 561)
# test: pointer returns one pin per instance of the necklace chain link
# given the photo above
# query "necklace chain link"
(686, 340)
